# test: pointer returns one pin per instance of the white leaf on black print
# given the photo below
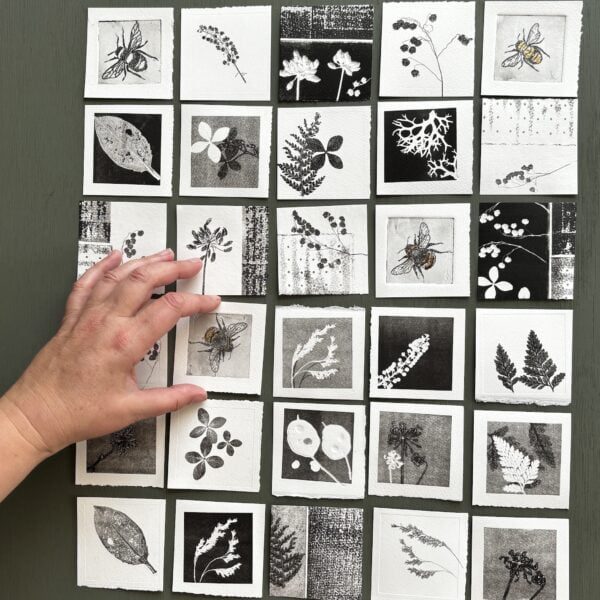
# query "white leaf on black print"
(518, 469)
(392, 375)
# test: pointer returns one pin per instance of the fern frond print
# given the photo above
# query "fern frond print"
(518, 469)
(285, 561)
(505, 368)
(540, 370)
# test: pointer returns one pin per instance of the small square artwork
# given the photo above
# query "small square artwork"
(416, 451)
(425, 147)
(226, 53)
(128, 150)
(322, 250)
(427, 49)
(324, 153)
(417, 353)
(325, 53)
(318, 450)
(522, 459)
(524, 356)
(526, 251)
(531, 49)
(319, 352)
(120, 543)
(233, 244)
(419, 554)
(218, 548)
(222, 351)
(422, 250)
(529, 146)
(316, 552)
(216, 446)
(129, 53)
(505, 546)
(225, 150)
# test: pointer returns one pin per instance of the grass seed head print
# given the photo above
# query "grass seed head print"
(222, 43)
(318, 368)
(526, 50)
(221, 545)
(522, 567)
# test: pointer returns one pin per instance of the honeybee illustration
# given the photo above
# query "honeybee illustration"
(129, 58)
(220, 340)
(419, 255)
(527, 50)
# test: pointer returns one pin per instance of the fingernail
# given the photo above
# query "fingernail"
(215, 298)
(194, 260)
(166, 252)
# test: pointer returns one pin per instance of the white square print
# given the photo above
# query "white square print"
(120, 543)
(322, 250)
(419, 554)
(222, 351)
(417, 353)
(225, 150)
(531, 49)
(319, 352)
(318, 450)
(216, 446)
(524, 356)
(129, 53)
(128, 150)
(505, 546)
(427, 49)
(233, 243)
(522, 459)
(416, 451)
(226, 53)
(219, 548)
(324, 153)
(422, 250)
(425, 147)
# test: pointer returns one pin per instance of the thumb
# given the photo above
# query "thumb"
(158, 401)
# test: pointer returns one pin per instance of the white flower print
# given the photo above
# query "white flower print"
(300, 68)
(210, 140)
(343, 61)
(492, 283)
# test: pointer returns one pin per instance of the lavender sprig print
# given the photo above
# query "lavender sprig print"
(223, 43)
(400, 368)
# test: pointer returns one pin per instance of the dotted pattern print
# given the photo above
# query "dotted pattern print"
(255, 251)
(94, 234)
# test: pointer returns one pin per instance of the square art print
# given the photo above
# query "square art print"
(128, 150)
(516, 558)
(233, 243)
(322, 250)
(422, 250)
(416, 451)
(129, 53)
(319, 352)
(417, 353)
(222, 351)
(318, 450)
(531, 49)
(522, 459)
(427, 49)
(216, 446)
(226, 53)
(425, 147)
(325, 53)
(120, 543)
(218, 548)
(524, 356)
(324, 153)
(419, 554)
(529, 146)
(526, 251)
(316, 552)
(225, 150)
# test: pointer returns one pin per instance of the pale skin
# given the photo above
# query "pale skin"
(82, 384)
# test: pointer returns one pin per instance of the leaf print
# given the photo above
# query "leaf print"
(539, 369)
(210, 140)
(505, 368)
(204, 459)
(518, 470)
(542, 443)
(121, 536)
(229, 444)
(285, 561)
(207, 426)
(320, 153)
(124, 144)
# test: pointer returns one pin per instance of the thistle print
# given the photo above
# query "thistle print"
(521, 567)
(300, 68)
(391, 376)
(317, 368)
(405, 444)
(222, 43)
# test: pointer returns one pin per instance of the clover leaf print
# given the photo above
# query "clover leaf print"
(209, 141)
(320, 152)
(228, 443)
(492, 283)
(207, 426)
(204, 459)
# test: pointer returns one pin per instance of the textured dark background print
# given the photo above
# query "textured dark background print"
(540, 545)
(410, 167)
(106, 171)
(94, 233)
(562, 253)
(298, 331)
(255, 251)
(520, 436)
(435, 444)
(433, 371)
(197, 526)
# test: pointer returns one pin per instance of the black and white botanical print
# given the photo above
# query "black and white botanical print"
(527, 250)
(316, 552)
(529, 146)
(326, 53)
(427, 49)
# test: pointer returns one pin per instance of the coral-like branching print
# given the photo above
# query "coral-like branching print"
(521, 567)
(305, 363)
(223, 44)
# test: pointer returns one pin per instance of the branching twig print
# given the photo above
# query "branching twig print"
(527, 176)
(319, 368)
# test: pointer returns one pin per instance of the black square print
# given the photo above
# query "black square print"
(127, 148)
(415, 353)
(217, 548)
